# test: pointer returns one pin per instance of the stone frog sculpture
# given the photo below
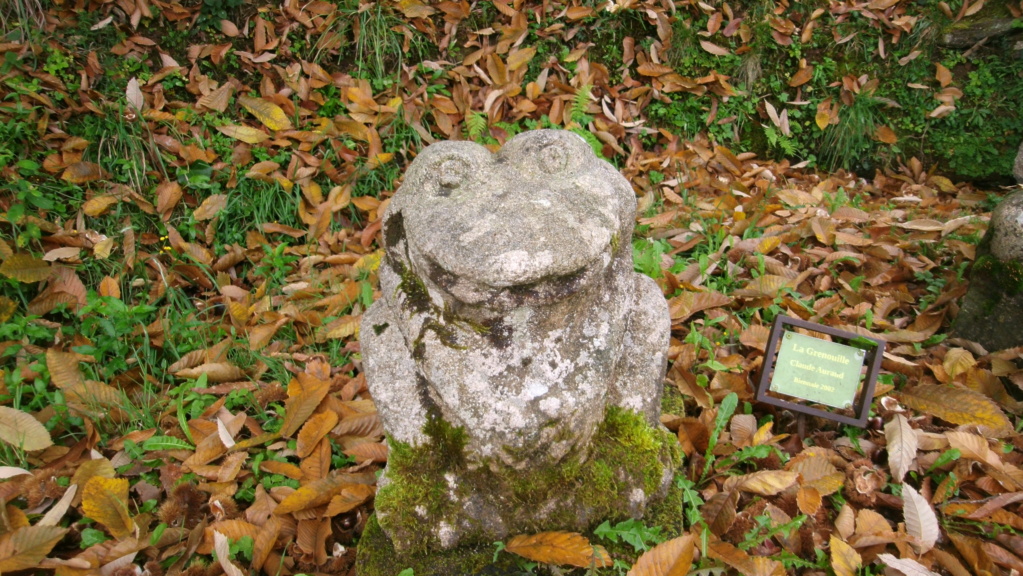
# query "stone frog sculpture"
(511, 318)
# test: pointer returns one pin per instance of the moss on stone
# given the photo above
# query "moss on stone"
(1007, 275)
(429, 484)
(417, 297)
(377, 557)
(673, 402)
(666, 513)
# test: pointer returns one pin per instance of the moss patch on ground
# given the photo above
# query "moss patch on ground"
(432, 485)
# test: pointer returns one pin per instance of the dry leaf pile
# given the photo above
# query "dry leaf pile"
(245, 428)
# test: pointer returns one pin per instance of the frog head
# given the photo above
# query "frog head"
(531, 224)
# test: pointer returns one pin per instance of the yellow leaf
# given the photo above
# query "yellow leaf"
(105, 500)
(97, 206)
(822, 119)
(283, 468)
(379, 160)
(671, 558)
(768, 482)
(210, 207)
(311, 495)
(103, 248)
(415, 9)
(270, 114)
(768, 244)
(343, 328)
(845, 560)
(942, 183)
(958, 361)
(521, 57)
(88, 470)
(956, 405)
(370, 262)
(558, 548)
(25, 268)
(26, 547)
(82, 172)
(7, 308)
(246, 134)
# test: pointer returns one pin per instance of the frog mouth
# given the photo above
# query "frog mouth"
(535, 289)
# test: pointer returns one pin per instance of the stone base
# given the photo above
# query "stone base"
(991, 313)
(431, 499)
(377, 556)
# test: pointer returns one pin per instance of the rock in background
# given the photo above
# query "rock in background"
(992, 310)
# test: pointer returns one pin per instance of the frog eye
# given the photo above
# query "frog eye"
(451, 172)
(554, 158)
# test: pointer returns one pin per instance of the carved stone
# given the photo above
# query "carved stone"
(514, 351)
(992, 310)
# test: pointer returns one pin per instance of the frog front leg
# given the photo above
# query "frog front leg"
(640, 371)
(392, 376)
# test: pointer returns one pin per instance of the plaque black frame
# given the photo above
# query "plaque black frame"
(872, 359)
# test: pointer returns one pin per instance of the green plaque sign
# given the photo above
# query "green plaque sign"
(817, 370)
(820, 377)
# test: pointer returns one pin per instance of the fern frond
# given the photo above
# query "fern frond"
(476, 125)
(580, 103)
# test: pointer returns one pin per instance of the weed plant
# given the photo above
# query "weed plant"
(850, 144)
(20, 20)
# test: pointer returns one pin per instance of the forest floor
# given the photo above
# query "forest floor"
(190, 231)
